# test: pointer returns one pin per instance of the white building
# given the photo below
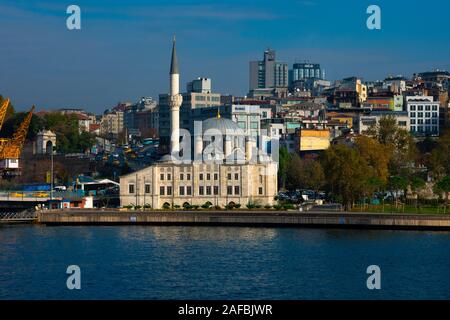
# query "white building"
(423, 114)
(199, 85)
(365, 121)
(111, 122)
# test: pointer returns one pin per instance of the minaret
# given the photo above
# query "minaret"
(175, 100)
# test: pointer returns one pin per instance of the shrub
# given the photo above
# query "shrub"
(147, 206)
(166, 206)
(187, 206)
(277, 207)
(230, 206)
(288, 206)
(137, 207)
(268, 206)
(237, 206)
(250, 205)
(177, 206)
(195, 207)
(207, 205)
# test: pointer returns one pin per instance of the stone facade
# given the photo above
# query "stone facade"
(45, 142)
(197, 183)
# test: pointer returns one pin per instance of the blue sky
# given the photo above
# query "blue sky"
(122, 51)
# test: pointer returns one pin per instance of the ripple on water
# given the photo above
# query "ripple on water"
(150, 262)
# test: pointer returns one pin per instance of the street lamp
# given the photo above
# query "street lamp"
(51, 173)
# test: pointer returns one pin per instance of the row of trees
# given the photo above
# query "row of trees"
(65, 126)
(386, 159)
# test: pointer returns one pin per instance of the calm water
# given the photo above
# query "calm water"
(133, 262)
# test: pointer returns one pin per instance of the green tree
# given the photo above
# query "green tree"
(305, 173)
(69, 139)
(285, 158)
(399, 143)
(416, 184)
(347, 173)
(396, 184)
(377, 157)
(439, 160)
(444, 186)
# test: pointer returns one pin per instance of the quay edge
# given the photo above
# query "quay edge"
(247, 218)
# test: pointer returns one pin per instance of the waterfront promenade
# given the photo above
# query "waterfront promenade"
(252, 218)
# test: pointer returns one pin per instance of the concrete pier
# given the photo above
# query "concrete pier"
(247, 218)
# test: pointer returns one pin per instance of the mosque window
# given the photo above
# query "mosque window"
(161, 191)
(201, 190)
(208, 176)
(216, 176)
(181, 176)
(169, 191)
(147, 188)
(229, 190)
(161, 176)
(236, 176)
(229, 176)
(131, 188)
(216, 190)
(182, 191)
(208, 190)
(188, 176)
(260, 190)
(236, 190)
(201, 176)
(188, 190)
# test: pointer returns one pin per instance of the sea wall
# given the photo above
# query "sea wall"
(247, 218)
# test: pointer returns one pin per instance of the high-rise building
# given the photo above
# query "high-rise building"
(304, 71)
(111, 122)
(268, 73)
(199, 85)
(142, 117)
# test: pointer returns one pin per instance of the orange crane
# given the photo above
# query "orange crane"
(10, 149)
(3, 109)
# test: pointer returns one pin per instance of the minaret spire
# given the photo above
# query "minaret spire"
(175, 101)
(218, 112)
(174, 61)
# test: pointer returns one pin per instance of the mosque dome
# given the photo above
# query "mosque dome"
(165, 158)
(225, 126)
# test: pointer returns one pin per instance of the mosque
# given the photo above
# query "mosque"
(226, 167)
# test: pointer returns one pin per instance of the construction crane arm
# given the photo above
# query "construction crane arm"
(3, 109)
(20, 135)
(13, 147)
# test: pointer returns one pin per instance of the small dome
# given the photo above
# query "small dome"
(225, 126)
(166, 158)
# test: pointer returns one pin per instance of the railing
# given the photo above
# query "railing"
(39, 195)
(18, 216)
